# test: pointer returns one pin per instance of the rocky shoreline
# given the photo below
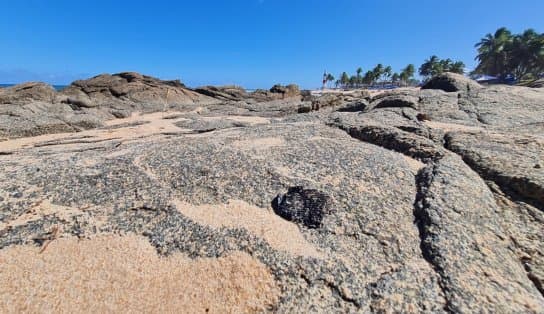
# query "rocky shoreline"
(414, 200)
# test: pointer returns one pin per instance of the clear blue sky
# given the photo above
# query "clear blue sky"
(254, 43)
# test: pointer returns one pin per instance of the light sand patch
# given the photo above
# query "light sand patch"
(414, 164)
(279, 233)
(320, 138)
(452, 126)
(252, 120)
(259, 143)
(333, 180)
(154, 124)
(14, 144)
(284, 171)
(125, 275)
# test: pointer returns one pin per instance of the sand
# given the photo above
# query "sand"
(259, 143)
(136, 126)
(414, 164)
(279, 233)
(124, 274)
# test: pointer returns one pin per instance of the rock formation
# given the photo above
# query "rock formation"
(451, 82)
(407, 201)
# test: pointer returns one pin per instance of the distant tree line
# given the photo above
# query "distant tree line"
(503, 55)
(380, 75)
(511, 56)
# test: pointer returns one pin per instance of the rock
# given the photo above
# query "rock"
(535, 84)
(356, 106)
(504, 158)
(409, 201)
(327, 100)
(223, 92)
(306, 206)
(35, 108)
(452, 82)
(395, 99)
(291, 90)
(79, 103)
(123, 89)
(28, 92)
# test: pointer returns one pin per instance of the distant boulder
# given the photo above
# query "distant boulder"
(27, 92)
(277, 92)
(223, 92)
(452, 82)
(131, 87)
(288, 91)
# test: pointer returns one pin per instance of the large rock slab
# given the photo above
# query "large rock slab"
(361, 257)
(408, 201)
(148, 93)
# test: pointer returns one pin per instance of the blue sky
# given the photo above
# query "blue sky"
(253, 43)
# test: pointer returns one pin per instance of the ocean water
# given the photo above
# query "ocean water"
(57, 87)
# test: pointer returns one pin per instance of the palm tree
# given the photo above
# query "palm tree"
(457, 67)
(368, 78)
(353, 81)
(330, 78)
(377, 72)
(493, 53)
(407, 73)
(431, 67)
(395, 78)
(344, 79)
(359, 78)
(435, 66)
(525, 52)
(387, 72)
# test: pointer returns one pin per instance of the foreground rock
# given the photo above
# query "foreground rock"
(410, 201)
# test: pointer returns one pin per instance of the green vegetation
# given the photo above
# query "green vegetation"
(506, 55)
(379, 75)
(435, 66)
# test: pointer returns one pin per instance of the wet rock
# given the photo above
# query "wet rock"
(306, 206)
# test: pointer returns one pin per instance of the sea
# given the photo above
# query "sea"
(57, 87)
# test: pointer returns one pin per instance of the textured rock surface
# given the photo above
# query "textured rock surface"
(452, 82)
(410, 201)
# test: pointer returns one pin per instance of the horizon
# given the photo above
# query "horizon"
(254, 44)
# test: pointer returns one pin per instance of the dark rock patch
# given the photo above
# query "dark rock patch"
(306, 206)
